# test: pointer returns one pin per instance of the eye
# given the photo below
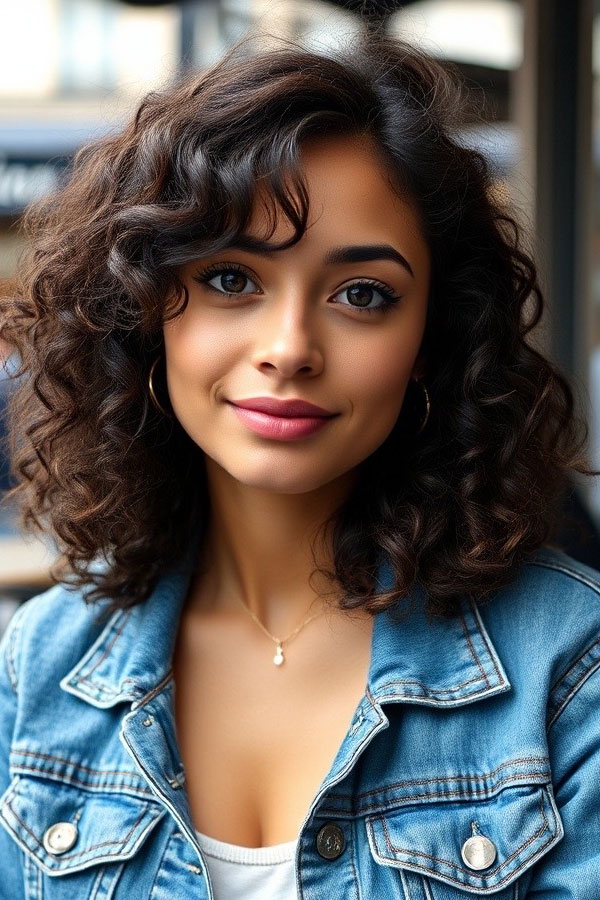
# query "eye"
(362, 293)
(229, 277)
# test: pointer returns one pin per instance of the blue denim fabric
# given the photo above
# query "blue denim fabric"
(485, 725)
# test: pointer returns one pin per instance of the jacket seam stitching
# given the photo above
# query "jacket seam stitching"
(353, 833)
(472, 649)
(31, 872)
(11, 655)
(491, 653)
(463, 776)
(575, 688)
(564, 674)
(162, 685)
(75, 782)
(71, 763)
(428, 691)
(460, 794)
(97, 884)
(71, 856)
(160, 863)
(110, 640)
(469, 874)
(567, 570)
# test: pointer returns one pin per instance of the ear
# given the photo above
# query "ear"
(420, 367)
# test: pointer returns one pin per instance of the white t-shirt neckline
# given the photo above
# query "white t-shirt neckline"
(257, 856)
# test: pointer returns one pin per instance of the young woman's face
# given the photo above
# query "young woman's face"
(297, 325)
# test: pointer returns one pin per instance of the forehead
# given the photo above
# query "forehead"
(352, 198)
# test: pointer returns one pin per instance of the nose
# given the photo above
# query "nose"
(288, 340)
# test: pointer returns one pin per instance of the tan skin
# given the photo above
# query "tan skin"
(256, 739)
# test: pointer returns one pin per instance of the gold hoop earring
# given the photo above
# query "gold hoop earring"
(153, 397)
(427, 402)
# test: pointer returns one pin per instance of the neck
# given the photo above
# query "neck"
(259, 550)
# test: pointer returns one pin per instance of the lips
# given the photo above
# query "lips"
(294, 408)
(278, 427)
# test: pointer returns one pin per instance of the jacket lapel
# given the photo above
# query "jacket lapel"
(437, 663)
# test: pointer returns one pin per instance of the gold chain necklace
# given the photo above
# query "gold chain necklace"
(279, 657)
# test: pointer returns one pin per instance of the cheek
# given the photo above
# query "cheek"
(379, 374)
(198, 353)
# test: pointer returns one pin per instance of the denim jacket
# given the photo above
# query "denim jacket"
(471, 766)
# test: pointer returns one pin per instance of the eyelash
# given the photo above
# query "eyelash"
(209, 272)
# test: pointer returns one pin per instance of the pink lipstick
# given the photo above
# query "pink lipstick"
(283, 420)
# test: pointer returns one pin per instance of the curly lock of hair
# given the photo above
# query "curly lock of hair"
(458, 506)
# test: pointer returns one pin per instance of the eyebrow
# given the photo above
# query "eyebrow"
(349, 254)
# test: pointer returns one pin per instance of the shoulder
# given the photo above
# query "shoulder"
(547, 622)
(562, 568)
(550, 587)
(48, 633)
(554, 586)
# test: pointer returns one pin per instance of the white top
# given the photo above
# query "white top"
(250, 873)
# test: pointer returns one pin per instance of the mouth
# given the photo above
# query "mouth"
(281, 427)
(293, 408)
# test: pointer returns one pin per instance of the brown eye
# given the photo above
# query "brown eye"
(232, 281)
(229, 279)
(363, 293)
(360, 294)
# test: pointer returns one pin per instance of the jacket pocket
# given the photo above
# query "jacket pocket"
(510, 832)
(65, 830)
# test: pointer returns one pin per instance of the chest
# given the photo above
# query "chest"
(256, 740)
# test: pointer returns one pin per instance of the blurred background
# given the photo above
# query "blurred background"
(72, 70)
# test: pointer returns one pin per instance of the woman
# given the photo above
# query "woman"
(303, 465)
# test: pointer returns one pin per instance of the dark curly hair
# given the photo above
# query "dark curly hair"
(458, 506)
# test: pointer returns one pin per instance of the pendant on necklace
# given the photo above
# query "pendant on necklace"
(278, 658)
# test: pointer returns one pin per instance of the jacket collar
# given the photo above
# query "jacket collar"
(440, 663)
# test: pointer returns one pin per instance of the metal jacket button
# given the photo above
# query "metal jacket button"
(478, 852)
(60, 837)
(330, 841)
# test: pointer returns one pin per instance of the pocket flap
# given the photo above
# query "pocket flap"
(521, 822)
(101, 826)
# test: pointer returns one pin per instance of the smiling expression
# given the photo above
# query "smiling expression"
(335, 320)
